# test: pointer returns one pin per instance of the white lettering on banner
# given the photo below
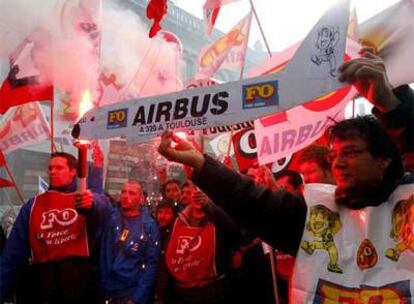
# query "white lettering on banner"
(185, 263)
(63, 217)
(58, 237)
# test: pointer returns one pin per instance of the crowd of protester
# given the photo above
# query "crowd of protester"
(221, 236)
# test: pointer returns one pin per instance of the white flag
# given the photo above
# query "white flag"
(391, 33)
(43, 186)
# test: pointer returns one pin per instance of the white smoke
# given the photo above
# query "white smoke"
(68, 58)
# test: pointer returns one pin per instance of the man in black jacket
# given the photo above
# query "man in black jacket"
(367, 168)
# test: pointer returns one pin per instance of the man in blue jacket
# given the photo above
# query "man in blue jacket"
(54, 234)
(130, 250)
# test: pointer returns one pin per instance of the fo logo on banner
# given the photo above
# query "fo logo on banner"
(63, 217)
(117, 119)
(188, 243)
(260, 95)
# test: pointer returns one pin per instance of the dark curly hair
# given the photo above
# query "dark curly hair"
(380, 145)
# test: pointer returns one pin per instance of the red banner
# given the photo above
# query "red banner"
(57, 231)
(190, 254)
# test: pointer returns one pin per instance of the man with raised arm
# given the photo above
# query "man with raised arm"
(353, 241)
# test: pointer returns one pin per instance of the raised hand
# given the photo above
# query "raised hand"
(179, 150)
(199, 197)
(369, 76)
(84, 200)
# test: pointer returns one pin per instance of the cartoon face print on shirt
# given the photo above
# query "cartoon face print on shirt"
(323, 224)
(402, 230)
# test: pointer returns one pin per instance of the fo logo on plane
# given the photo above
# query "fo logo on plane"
(260, 95)
(117, 119)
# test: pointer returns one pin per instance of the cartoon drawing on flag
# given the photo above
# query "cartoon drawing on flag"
(325, 44)
(285, 133)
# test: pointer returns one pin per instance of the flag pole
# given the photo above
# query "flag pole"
(260, 27)
(19, 193)
(241, 78)
(273, 266)
(52, 127)
(245, 49)
(353, 107)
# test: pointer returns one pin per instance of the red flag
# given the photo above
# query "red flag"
(211, 9)
(22, 85)
(210, 16)
(5, 183)
(156, 10)
(2, 159)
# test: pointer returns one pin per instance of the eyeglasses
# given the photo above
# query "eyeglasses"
(347, 153)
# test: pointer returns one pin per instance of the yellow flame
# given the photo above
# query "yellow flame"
(86, 103)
